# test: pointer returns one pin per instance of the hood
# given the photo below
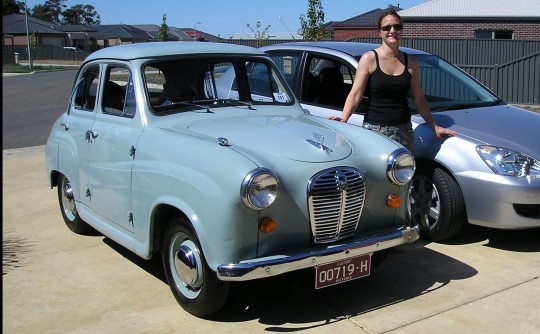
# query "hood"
(293, 138)
(505, 126)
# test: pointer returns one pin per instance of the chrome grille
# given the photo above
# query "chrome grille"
(336, 199)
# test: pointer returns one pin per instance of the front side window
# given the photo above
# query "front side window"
(328, 82)
(118, 93)
(204, 83)
(287, 64)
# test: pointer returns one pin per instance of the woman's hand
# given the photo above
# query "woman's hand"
(335, 118)
(443, 133)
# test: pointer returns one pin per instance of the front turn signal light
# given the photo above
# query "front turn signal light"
(393, 201)
(267, 225)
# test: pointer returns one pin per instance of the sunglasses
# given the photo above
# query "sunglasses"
(397, 27)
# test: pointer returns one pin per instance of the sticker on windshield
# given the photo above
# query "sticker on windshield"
(281, 97)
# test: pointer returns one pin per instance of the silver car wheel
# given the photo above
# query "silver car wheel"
(186, 265)
(68, 202)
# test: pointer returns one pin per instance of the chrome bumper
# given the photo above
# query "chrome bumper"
(276, 265)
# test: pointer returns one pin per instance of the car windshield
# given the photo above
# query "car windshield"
(176, 85)
(446, 87)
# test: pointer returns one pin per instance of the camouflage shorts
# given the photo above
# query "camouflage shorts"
(402, 133)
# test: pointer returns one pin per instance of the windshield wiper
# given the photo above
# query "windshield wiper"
(247, 104)
(463, 106)
(169, 104)
(230, 101)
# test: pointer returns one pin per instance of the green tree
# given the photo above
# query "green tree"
(312, 24)
(163, 29)
(42, 12)
(12, 7)
(81, 14)
(260, 36)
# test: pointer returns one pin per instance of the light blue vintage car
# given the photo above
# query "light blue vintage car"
(200, 153)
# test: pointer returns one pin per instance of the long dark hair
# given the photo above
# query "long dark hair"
(386, 13)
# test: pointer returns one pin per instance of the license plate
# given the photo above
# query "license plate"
(341, 271)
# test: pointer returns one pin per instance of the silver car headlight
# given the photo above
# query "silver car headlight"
(508, 162)
(400, 166)
(259, 189)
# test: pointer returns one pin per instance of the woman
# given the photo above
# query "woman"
(390, 76)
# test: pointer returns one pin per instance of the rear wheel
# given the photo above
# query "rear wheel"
(69, 209)
(435, 203)
(194, 285)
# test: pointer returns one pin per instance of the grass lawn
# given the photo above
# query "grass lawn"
(17, 68)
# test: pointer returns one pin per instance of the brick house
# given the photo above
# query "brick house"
(478, 19)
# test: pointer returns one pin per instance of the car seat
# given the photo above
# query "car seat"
(332, 90)
(114, 97)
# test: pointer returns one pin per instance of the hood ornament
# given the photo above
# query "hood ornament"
(318, 142)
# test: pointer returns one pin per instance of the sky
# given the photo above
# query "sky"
(225, 18)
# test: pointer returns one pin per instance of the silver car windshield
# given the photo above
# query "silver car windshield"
(209, 83)
(447, 87)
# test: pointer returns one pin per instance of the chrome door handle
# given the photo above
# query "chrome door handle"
(91, 134)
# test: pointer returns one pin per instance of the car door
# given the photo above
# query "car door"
(114, 136)
(74, 152)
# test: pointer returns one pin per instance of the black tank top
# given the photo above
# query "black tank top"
(388, 97)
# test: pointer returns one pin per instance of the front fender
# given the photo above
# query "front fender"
(204, 187)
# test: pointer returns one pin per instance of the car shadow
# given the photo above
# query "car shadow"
(408, 272)
(291, 299)
(511, 240)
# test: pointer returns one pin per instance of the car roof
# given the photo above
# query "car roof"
(354, 49)
(153, 49)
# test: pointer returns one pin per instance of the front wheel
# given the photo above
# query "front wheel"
(69, 209)
(435, 203)
(194, 285)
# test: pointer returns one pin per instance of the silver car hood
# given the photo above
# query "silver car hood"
(294, 138)
(505, 126)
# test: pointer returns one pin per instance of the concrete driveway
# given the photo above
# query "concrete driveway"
(484, 281)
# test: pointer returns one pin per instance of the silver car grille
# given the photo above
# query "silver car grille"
(336, 199)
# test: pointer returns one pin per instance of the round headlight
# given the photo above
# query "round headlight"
(259, 189)
(400, 166)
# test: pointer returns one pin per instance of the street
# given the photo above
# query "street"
(30, 105)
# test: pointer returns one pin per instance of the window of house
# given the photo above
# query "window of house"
(493, 34)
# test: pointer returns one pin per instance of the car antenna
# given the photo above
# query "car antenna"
(294, 39)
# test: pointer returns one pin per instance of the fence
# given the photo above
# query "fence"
(39, 52)
(510, 68)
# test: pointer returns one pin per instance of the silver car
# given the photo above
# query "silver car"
(200, 153)
(488, 175)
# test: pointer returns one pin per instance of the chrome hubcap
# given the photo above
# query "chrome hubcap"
(68, 201)
(186, 266)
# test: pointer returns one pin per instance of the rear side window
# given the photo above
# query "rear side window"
(84, 96)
